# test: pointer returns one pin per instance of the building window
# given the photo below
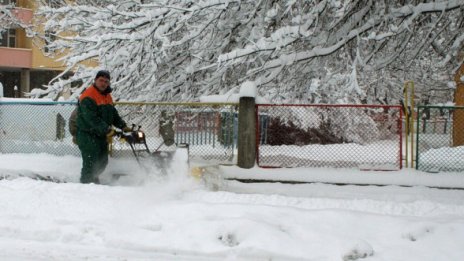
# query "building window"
(4, 39)
(8, 38)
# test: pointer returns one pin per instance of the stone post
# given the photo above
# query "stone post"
(246, 133)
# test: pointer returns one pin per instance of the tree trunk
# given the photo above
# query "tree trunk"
(458, 115)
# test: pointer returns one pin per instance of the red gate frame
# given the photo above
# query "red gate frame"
(400, 125)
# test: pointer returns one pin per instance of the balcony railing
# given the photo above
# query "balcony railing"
(15, 57)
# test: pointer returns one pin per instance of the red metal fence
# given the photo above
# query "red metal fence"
(342, 136)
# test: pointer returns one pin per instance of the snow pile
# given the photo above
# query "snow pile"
(443, 159)
(248, 89)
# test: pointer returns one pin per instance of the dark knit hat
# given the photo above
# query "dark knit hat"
(103, 73)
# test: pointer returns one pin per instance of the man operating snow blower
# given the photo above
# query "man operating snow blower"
(96, 116)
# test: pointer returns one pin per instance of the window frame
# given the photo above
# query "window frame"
(9, 38)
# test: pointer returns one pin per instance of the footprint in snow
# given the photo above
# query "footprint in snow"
(361, 249)
(229, 239)
(418, 233)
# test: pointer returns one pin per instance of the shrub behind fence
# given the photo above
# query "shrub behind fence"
(349, 136)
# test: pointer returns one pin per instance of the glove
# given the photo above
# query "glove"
(109, 135)
(126, 129)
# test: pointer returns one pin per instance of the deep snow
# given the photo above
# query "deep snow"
(179, 217)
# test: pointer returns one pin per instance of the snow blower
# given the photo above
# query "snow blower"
(162, 160)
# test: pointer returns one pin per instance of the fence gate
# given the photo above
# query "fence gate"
(440, 146)
(341, 136)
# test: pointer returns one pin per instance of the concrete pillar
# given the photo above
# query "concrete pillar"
(25, 82)
(16, 91)
(246, 133)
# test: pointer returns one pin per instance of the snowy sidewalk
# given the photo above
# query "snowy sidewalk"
(404, 177)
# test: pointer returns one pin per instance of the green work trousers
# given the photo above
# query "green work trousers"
(94, 152)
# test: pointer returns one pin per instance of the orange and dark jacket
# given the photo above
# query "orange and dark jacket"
(96, 112)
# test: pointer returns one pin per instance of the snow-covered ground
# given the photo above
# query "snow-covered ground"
(177, 217)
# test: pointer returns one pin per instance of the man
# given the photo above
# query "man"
(95, 118)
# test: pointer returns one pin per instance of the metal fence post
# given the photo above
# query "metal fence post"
(418, 133)
(246, 143)
(410, 117)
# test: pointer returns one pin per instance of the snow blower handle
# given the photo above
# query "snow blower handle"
(126, 136)
(135, 136)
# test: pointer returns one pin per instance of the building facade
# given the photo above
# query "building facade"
(23, 66)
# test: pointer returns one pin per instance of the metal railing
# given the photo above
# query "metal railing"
(36, 127)
(342, 136)
(360, 136)
(440, 138)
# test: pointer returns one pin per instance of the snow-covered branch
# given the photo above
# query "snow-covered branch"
(183, 49)
(9, 20)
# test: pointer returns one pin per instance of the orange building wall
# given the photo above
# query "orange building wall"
(39, 60)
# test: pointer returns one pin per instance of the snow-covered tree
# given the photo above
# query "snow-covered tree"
(7, 18)
(325, 51)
